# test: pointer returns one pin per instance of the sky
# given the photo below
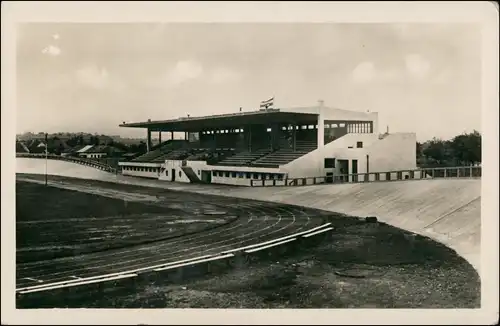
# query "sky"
(71, 77)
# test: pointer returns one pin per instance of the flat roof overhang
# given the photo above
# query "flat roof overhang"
(233, 120)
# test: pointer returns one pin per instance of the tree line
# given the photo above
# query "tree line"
(461, 150)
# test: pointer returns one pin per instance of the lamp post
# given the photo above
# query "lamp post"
(46, 156)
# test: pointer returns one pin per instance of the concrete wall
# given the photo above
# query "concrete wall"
(394, 152)
(166, 171)
(142, 169)
(180, 176)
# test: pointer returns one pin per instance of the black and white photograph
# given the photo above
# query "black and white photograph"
(238, 164)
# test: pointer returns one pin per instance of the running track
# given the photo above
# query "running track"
(257, 222)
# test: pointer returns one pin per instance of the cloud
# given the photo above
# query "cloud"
(223, 75)
(184, 71)
(55, 36)
(364, 72)
(417, 66)
(93, 77)
(52, 50)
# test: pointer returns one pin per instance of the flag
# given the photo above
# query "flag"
(268, 103)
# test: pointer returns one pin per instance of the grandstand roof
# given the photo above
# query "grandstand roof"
(238, 119)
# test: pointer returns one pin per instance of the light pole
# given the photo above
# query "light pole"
(46, 156)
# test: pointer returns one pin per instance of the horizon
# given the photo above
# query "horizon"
(422, 77)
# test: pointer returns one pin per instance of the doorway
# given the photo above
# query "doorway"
(173, 174)
(206, 176)
(344, 170)
(354, 170)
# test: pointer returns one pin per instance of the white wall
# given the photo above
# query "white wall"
(179, 174)
(394, 152)
(312, 164)
(144, 174)
(141, 164)
(243, 181)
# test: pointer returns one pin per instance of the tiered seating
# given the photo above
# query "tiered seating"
(148, 157)
(178, 154)
(285, 155)
(200, 154)
(159, 151)
(244, 158)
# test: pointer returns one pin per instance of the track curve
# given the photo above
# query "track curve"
(258, 222)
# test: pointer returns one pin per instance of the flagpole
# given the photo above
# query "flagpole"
(46, 156)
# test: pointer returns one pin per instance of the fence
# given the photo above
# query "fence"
(417, 174)
(83, 161)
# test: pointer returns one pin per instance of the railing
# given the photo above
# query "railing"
(417, 174)
(78, 160)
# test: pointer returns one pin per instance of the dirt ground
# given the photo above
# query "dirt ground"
(361, 265)
(53, 222)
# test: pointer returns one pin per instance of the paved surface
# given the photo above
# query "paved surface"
(447, 210)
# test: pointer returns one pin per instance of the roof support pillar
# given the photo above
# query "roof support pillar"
(159, 137)
(249, 129)
(148, 140)
(321, 131)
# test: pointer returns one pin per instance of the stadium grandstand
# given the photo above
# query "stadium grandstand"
(270, 144)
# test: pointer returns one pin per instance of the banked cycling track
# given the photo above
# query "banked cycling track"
(446, 210)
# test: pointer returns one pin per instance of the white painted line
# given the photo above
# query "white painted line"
(194, 262)
(76, 277)
(112, 274)
(276, 240)
(175, 264)
(33, 279)
(269, 246)
(317, 232)
(60, 286)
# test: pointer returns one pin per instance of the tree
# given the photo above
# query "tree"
(436, 149)
(466, 148)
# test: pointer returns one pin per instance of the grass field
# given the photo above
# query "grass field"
(53, 222)
(371, 265)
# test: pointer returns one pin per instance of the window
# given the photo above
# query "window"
(240, 175)
(359, 144)
(214, 173)
(248, 175)
(255, 175)
(226, 174)
(180, 174)
(329, 163)
(166, 173)
(233, 174)
(280, 176)
(198, 172)
(221, 174)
